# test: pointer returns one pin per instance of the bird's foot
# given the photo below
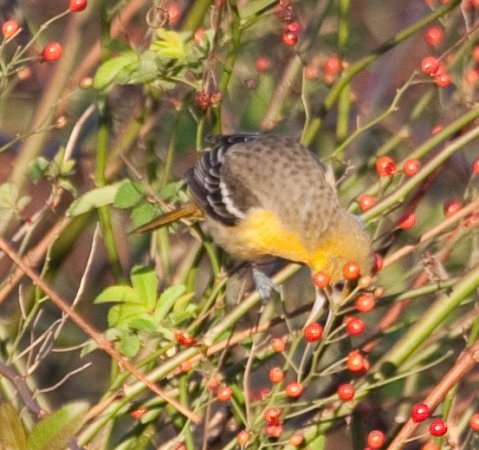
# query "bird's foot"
(264, 285)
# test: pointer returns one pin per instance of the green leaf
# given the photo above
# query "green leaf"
(319, 443)
(93, 199)
(143, 214)
(55, 431)
(115, 70)
(12, 433)
(145, 284)
(167, 299)
(121, 315)
(37, 168)
(117, 294)
(129, 195)
(130, 345)
(144, 323)
(169, 44)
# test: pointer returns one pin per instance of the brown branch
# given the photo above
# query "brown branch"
(103, 343)
(466, 361)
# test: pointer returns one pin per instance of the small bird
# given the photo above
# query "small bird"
(265, 195)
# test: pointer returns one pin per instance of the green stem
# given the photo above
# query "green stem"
(196, 15)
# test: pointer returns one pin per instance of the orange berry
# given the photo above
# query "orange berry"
(475, 166)
(472, 76)
(296, 440)
(174, 13)
(294, 390)
(198, 35)
(186, 365)
(274, 431)
(351, 271)
(276, 375)
(213, 383)
(184, 338)
(366, 202)
(430, 65)
(354, 326)
(51, 52)
(262, 63)
(243, 437)
(9, 28)
(376, 439)
(474, 422)
(321, 279)
(138, 413)
(365, 303)
(224, 394)
(355, 362)
(313, 332)
(385, 166)
(451, 207)
(443, 79)
(434, 35)
(290, 38)
(407, 221)
(346, 391)
(272, 416)
(332, 66)
(411, 167)
(278, 344)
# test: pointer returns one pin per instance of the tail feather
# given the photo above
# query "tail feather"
(187, 211)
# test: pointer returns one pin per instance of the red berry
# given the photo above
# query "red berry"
(296, 440)
(366, 202)
(9, 28)
(443, 79)
(184, 338)
(475, 166)
(138, 413)
(411, 167)
(355, 362)
(77, 5)
(365, 303)
(313, 332)
(430, 65)
(174, 13)
(272, 416)
(385, 166)
(186, 365)
(180, 446)
(438, 427)
(278, 344)
(198, 35)
(438, 128)
(213, 383)
(407, 221)
(224, 394)
(332, 66)
(262, 63)
(274, 431)
(451, 207)
(376, 439)
(276, 375)
(346, 392)
(321, 279)
(378, 262)
(420, 412)
(354, 326)
(290, 38)
(472, 76)
(351, 271)
(243, 437)
(203, 100)
(52, 51)
(430, 446)
(474, 422)
(294, 390)
(434, 35)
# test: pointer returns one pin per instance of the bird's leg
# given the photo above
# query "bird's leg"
(264, 284)
(319, 301)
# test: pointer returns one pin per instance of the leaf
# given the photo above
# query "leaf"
(143, 214)
(169, 44)
(319, 443)
(115, 70)
(117, 294)
(93, 199)
(130, 345)
(37, 168)
(167, 299)
(145, 284)
(122, 315)
(144, 323)
(55, 431)
(12, 433)
(128, 195)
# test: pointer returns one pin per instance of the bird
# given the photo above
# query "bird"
(264, 195)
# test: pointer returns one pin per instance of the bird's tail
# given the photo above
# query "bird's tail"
(187, 211)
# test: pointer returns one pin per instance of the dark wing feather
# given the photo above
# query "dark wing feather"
(205, 177)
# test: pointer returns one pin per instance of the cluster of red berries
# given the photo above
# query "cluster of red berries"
(291, 26)
(431, 66)
(203, 99)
